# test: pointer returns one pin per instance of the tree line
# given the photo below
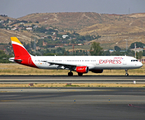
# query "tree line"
(95, 50)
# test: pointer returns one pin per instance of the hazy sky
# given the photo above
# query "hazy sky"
(19, 8)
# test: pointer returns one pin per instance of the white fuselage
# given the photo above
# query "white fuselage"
(92, 62)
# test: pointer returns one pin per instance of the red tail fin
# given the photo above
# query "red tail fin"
(22, 56)
(19, 49)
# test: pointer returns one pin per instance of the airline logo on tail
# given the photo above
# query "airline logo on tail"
(22, 56)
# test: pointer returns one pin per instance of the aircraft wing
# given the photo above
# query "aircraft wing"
(58, 63)
(66, 65)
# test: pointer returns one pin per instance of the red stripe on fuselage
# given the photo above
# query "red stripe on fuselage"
(22, 54)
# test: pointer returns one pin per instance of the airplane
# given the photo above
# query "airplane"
(79, 64)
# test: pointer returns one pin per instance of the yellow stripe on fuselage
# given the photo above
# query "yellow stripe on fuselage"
(15, 39)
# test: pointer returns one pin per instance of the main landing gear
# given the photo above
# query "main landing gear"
(70, 73)
(126, 72)
(80, 74)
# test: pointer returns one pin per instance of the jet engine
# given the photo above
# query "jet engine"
(82, 69)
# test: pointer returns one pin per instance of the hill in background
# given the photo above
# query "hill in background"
(114, 29)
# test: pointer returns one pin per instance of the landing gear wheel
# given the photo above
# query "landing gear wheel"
(80, 74)
(126, 72)
(70, 74)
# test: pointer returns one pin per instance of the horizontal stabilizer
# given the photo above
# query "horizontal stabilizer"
(11, 59)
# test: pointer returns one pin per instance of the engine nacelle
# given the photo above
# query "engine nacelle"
(82, 69)
(97, 70)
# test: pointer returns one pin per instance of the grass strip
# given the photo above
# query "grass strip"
(16, 69)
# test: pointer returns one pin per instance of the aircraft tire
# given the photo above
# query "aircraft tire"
(80, 74)
(127, 74)
(70, 73)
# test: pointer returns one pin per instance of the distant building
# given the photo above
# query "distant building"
(64, 36)
(54, 33)
(80, 44)
(58, 46)
(112, 51)
(1, 21)
(44, 43)
(37, 47)
(15, 28)
(29, 28)
(42, 37)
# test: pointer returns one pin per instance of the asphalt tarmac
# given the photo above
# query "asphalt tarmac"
(73, 79)
(73, 104)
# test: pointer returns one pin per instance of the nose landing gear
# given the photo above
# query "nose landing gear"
(126, 72)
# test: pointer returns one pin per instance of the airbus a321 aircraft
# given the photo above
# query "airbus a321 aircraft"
(80, 64)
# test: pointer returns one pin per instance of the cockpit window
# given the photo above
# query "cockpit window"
(134, 60)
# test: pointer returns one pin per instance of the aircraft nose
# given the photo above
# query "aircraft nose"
(140, 64)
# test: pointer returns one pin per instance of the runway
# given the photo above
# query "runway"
(72, 103)
(80, 104)
(74, 79)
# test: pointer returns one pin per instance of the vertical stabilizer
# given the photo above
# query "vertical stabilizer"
(22, 56)
(19, 49)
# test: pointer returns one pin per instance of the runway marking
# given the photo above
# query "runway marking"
(7, 100)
